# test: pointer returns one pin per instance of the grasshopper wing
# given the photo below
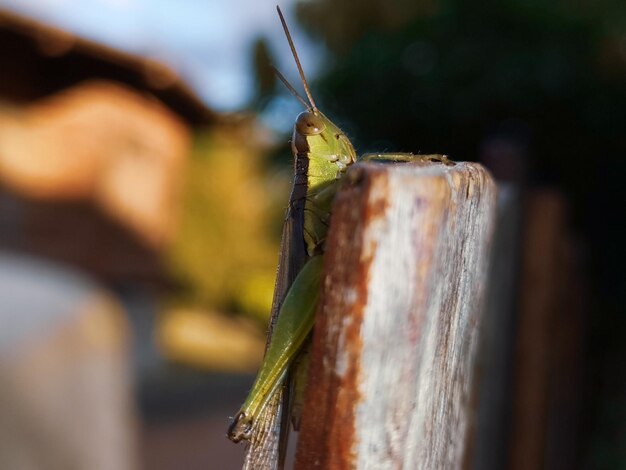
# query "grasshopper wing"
(267, 445)
(263, 450)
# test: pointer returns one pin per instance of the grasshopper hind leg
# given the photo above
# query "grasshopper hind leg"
(406, 158)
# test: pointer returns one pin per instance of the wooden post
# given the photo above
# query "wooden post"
(392, 359)
(543, 301)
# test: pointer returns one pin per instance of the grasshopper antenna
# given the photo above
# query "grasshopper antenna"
(295, 56)
(291, 88)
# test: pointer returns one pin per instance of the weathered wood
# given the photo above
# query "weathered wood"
(65, 393)
(393, 347)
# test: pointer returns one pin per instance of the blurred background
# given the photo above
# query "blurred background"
(144, 173)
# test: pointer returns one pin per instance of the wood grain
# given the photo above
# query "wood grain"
(393, 348)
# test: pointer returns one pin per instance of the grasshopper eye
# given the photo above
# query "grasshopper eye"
(309, 124)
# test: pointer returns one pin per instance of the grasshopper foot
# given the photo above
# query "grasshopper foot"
(240, 428)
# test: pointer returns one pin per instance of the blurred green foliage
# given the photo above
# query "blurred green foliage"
(224, 257)
(439, 76)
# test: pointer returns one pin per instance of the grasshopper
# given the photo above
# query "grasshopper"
(322, 154)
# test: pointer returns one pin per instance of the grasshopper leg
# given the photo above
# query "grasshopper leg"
(293, 326)
(406, 157)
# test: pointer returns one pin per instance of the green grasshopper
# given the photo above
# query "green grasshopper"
(322, 154)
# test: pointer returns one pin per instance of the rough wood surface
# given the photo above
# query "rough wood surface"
(66, 396)
(392, 360)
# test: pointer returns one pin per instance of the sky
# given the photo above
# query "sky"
(207, 42)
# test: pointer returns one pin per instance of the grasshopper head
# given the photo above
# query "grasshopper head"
(316, 136)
